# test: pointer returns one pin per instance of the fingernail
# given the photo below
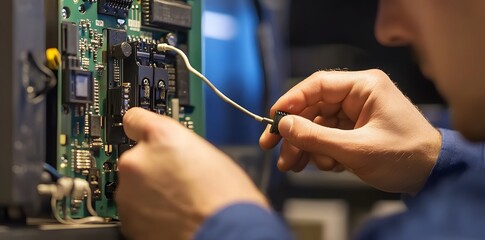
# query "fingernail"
(285, 124)
(280, 163)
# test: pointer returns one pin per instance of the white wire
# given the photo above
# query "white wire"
(89, 203)
(57, 195)
(166, 47)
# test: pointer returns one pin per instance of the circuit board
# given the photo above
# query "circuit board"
(110, 64)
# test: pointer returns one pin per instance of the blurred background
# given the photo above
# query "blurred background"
(254, 51)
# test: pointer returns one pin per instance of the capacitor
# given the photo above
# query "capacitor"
(171, 39)
(122, 50)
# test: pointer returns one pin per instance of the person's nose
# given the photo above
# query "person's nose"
(392, 27)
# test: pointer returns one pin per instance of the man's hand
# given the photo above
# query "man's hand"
(173, 179)
(357, 121)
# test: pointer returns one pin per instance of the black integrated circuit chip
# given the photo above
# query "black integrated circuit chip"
(164, 13)
(69, 38)
(95, 126)
(78, 86)
(117, 8)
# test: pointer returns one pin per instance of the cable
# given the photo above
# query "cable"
(51, 81)
(165, 47)
(52, 171)
(70, 187)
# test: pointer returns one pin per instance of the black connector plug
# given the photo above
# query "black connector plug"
(276, 121)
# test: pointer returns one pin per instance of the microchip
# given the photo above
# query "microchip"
(69, 38)
(276, 121)
(82, 86)
(165, 13)
(123, 148)
(95, 126)
(117, 8)
(78, 87)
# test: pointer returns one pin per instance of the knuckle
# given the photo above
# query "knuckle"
(305, 133)
(152, 131)
(129, 162)
(322, 74)
(376, 72)
(377, 77)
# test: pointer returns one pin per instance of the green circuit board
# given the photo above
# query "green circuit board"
(110, 64)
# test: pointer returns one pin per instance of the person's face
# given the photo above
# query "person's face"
(449, 39)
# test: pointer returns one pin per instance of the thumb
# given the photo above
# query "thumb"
(311, 137)
(140, 125)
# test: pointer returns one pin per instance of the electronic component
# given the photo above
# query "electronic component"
(122, 50)
(53, 58)
(94, 180)
(62, 139)
(123, 148)
(114, 119)
(95, 126)
(69, 38)
(167, 13)
(276, 121)
(183, 86)
(109, 65)
(76, 189)
(82, 159)
(117, 8)
(110, 190)
(78, 86)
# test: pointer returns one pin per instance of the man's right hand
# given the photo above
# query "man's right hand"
(358, 121)
(173, 180)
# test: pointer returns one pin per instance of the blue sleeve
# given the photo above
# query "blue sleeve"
(243, 221)
(457, 157)
(450, 205)
(454, 209)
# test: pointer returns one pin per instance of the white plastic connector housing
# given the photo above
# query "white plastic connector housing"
(75, 187)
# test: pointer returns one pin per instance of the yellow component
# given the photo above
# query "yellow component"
(63, 139)
(53, 58)
(108, 149)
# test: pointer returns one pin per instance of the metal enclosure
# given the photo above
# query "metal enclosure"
(22, 128)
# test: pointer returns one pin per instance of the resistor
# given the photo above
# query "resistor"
(82, 22)
(97, 143)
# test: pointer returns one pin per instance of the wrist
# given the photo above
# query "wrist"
(431, 150)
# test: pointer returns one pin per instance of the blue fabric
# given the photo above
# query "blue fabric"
(451, 205)
(243, 221)
(457, 157)
(452, 210)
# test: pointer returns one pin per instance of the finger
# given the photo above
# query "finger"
(140, 124)
(131, 164)
(311, 137)
(338, 168)
(324, 163)
(289, 156)
(329, 87)
(268, 140)
(302, 163)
